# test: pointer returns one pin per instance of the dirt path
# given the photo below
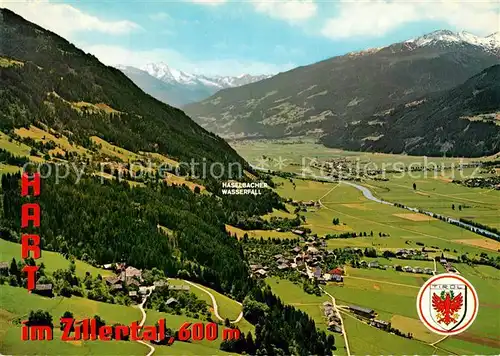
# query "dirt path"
(214, 302)
(143, 320)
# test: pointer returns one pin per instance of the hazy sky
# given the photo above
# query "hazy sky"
(234, 37)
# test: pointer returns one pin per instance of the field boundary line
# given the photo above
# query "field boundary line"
(378, 281)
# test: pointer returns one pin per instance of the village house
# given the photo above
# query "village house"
(364, 312)
(407, 269)
(281, 261)
(428, 271)
(332, 326)
(134, 295)
(115, 288)
(337, 278)
(261, 273)
(418, 270)
(299, 232)
(317, 272)
(379, 324)
(171, 302)
(179, 287)
(296, 249)
(312, 250)
(45, 290)
(338, 271)
(4, 268)
(373, 264)
(277, 257)
(255, 267)
(112, 280)
(159, 284)
(328, 304)
(283, 267)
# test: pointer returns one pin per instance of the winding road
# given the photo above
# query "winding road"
(214, 302)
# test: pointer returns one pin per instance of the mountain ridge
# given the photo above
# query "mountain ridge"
(465, 121)
(179, 88)
(324, 97)
(50, 64)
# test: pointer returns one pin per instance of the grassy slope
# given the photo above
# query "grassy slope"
(52, 260)
(228, 308)
(17, 302)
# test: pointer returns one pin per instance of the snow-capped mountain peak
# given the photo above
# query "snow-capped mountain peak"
(170, 75)
(167, 74)
(490, 43)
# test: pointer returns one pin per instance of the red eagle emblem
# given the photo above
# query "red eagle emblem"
(447, 305)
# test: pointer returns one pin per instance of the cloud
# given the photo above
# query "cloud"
(113, 55)
(65, 19)
(289, 10)
(375, 18)
(160, 16)
(209, 2)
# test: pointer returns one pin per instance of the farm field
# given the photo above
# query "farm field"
(52, 260)
(392, 294)
(253, 150)
(367, 340)
(438, 194)
(358, 214)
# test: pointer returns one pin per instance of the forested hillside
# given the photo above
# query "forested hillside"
(45, 79)
(111, 222)
(463, 121)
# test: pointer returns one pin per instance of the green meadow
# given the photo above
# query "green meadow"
(438, 194)
(295, 150)
(16, 303)
(51, 260)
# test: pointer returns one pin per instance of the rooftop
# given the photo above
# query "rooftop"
(361, 309)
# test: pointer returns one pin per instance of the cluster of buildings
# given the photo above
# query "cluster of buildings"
(310, 203)
(409, 269)
(132, 277)
(448, 266)
(334, 322)
(410, 253)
